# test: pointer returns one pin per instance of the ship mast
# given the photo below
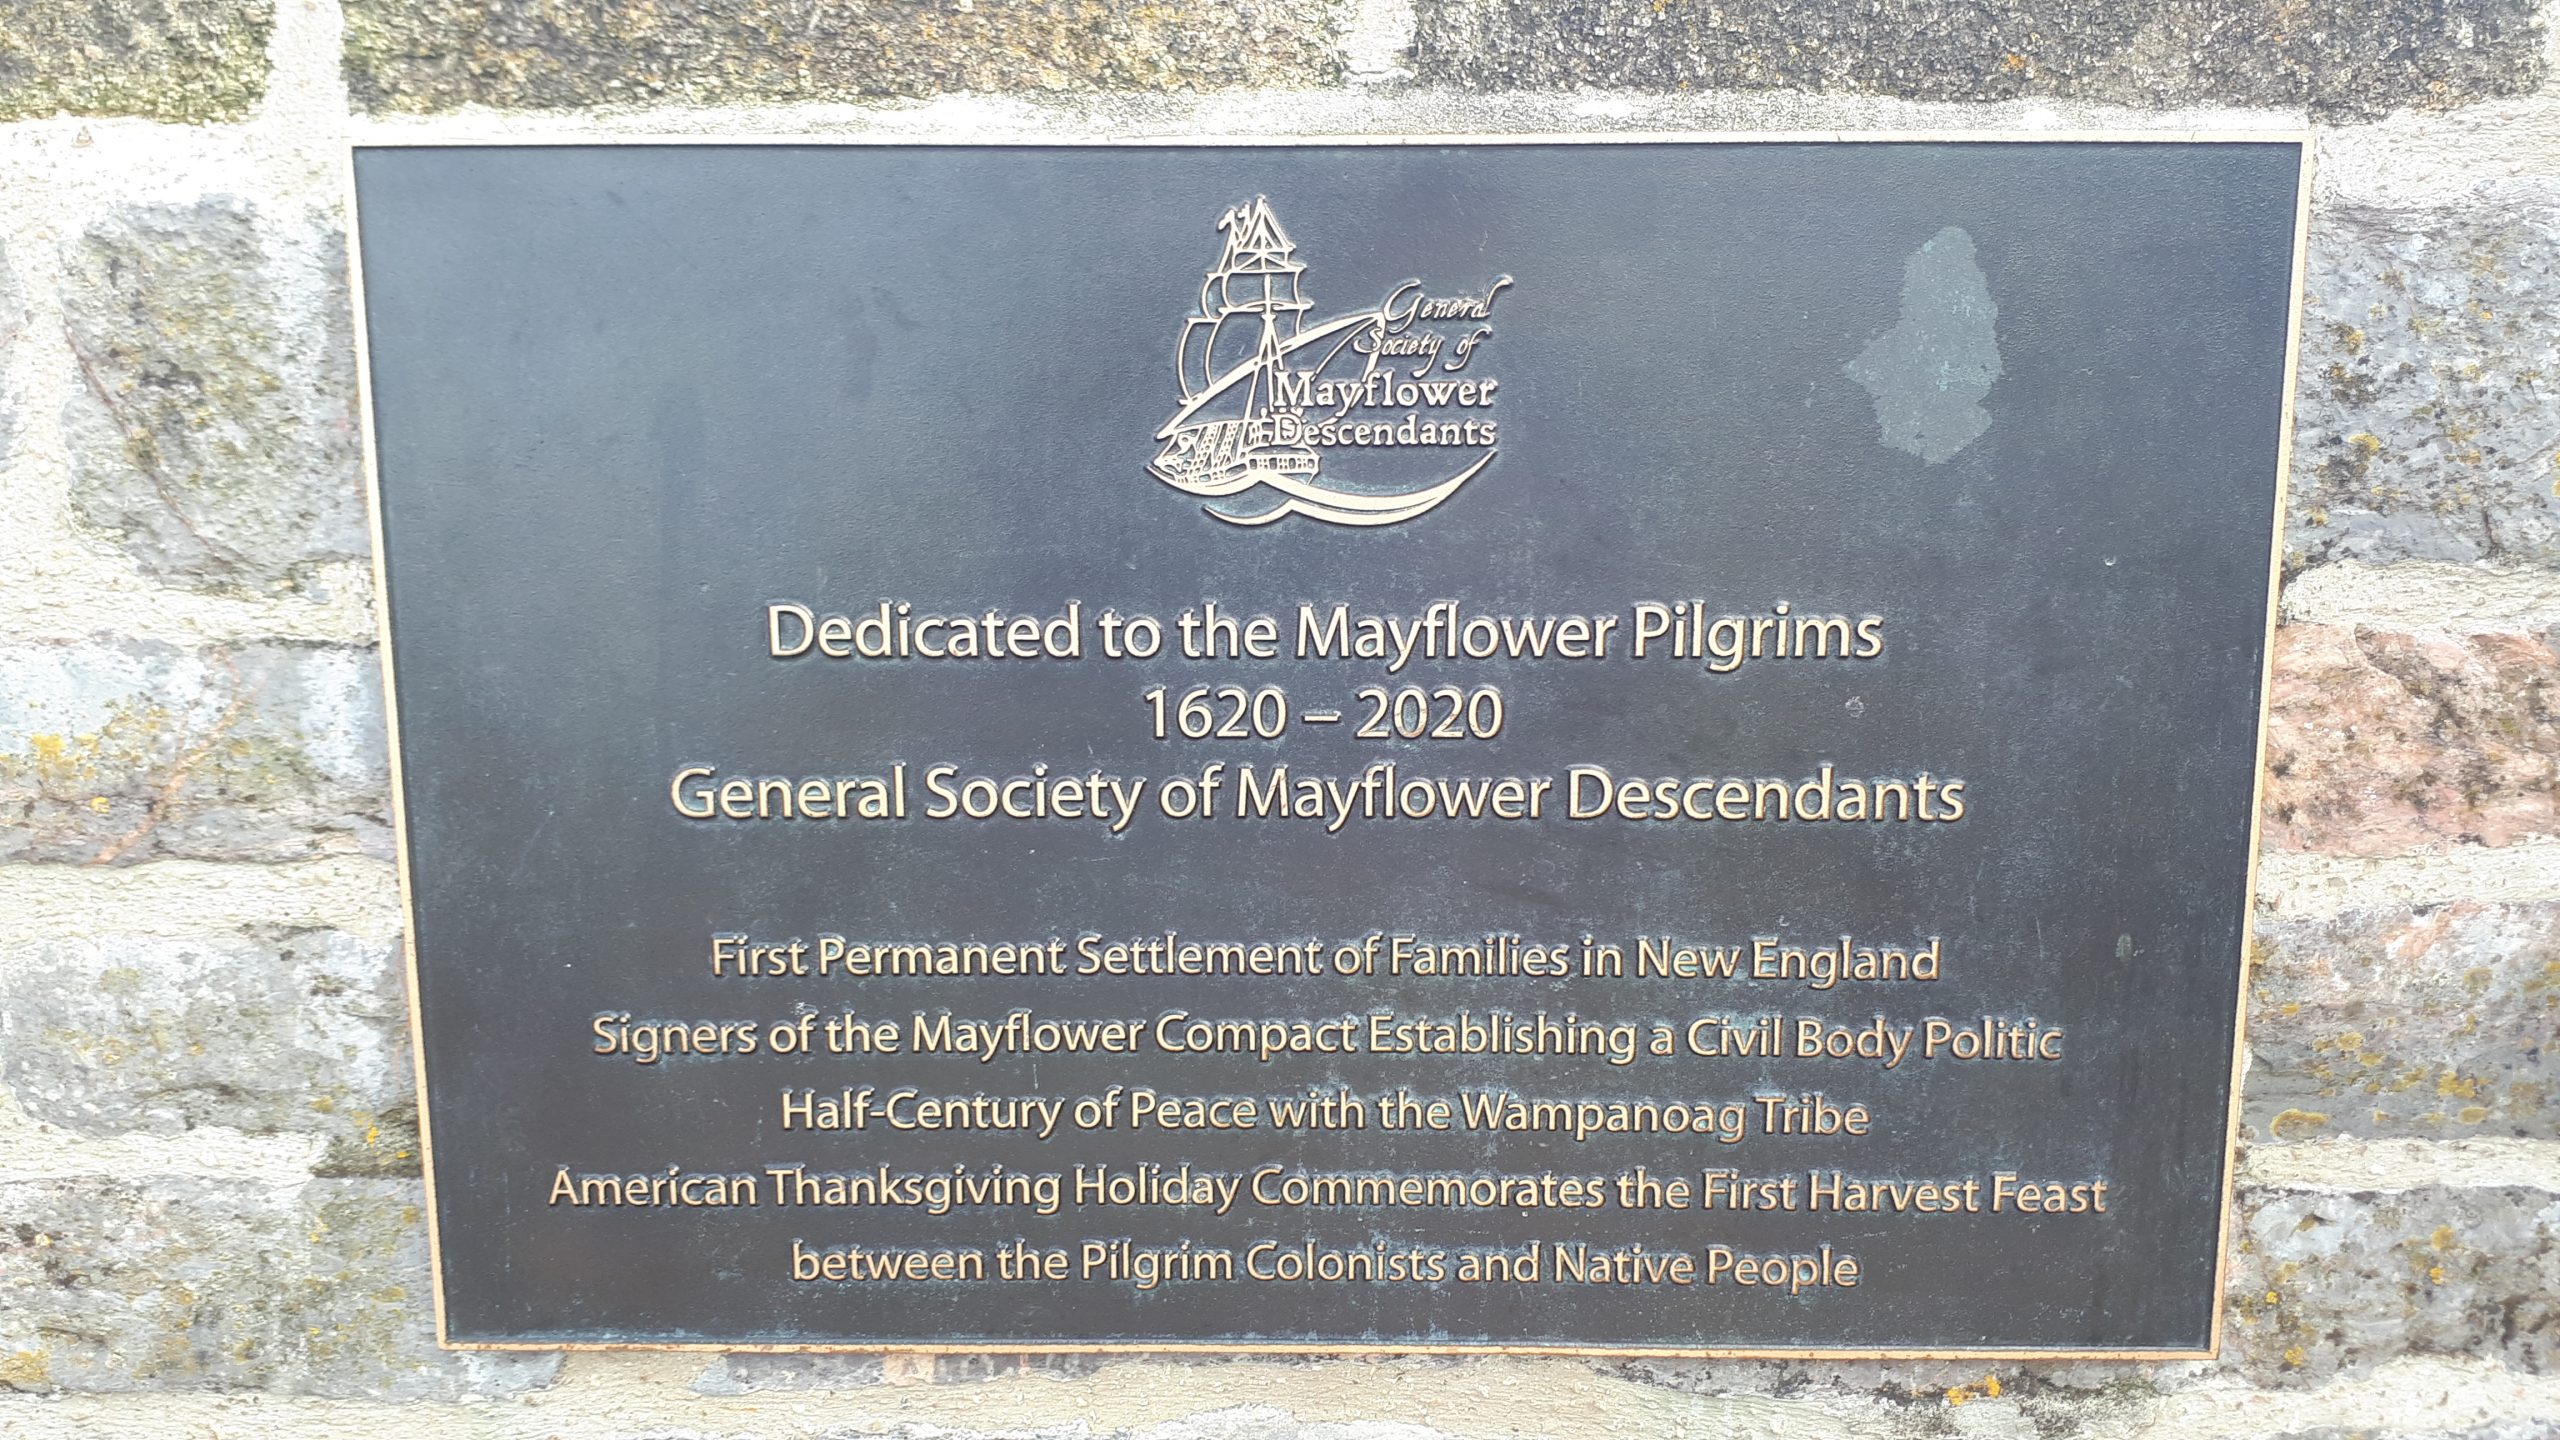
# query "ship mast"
(1260, 255)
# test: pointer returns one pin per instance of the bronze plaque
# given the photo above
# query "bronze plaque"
(1630, 747)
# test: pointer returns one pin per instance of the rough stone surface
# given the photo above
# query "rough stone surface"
(746, 1372)
(2497, 1431)
(2333, 1284)
(320, 1289)
(213, 426)
(418, 55)
(2337, 60)
(2380, 743)
(159, 59)
(2324, 1284)
(2424, 425)
(13, 328)
(1927, 1397)
(116, 752)
(303, 1031)
(2442, 1022)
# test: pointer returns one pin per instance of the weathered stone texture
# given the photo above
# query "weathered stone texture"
(2326, 1284)
(745, 1372)
(2494, 1431)
(13, 326)
(319, 1289)
(2337, 60)
(2424, 426)
(2381, 743)
(125, 751)
(2442, 1022)
(158, 59)
(303, 1031)
(213, 429)
(415, 55)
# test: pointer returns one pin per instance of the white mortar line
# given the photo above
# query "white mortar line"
(1376, 40)
(1349, 111)
(615, 1396)
(2424, 595)
(30, 1149)
(2550, 46)
(2293, 886)
(300, 129)
(2442, 157)
(181, 898)
(2348, 1166)
(2409, 1396)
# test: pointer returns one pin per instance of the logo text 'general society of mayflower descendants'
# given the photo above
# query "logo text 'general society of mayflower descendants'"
(1366, 418)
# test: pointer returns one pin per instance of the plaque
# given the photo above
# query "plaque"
(1622, 747)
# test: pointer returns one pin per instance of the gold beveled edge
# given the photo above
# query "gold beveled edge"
(391, 722)
(378, 135)
(2302, 139)
(2266, 701)
(1362, 1348)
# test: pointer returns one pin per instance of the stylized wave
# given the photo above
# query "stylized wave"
(1346, 507)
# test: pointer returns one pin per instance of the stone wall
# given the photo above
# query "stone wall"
(209, 1194)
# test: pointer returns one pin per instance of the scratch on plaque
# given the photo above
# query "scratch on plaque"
(1929, 373)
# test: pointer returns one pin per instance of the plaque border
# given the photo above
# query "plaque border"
(406, 137)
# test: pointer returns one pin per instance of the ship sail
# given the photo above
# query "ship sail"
(1246, 325)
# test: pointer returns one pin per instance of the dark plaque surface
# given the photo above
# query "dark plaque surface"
(1601, 746)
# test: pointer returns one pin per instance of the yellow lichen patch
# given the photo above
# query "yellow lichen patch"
(24, 1370)
(2294, 1124)
(1987, 1388)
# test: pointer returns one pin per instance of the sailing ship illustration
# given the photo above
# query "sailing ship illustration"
(1236, 433)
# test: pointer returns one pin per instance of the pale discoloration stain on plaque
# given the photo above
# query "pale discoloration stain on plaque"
(1929, 373)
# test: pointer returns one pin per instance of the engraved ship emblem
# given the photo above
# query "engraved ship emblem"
(1243, 427)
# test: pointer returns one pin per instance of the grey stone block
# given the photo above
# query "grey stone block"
(116, 752)
(421, 55)
(319, 1289)
(2340, 61)
(2441, 1022)
(213, 426)
(2424, 424)
(301, 1032)
(2325, 1284)
(185, 60)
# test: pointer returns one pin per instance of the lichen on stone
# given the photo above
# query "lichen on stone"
(2425, 424)
(116, 754)
(2359, 60)
(178, 60)
(212, 426)
(428, 55)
